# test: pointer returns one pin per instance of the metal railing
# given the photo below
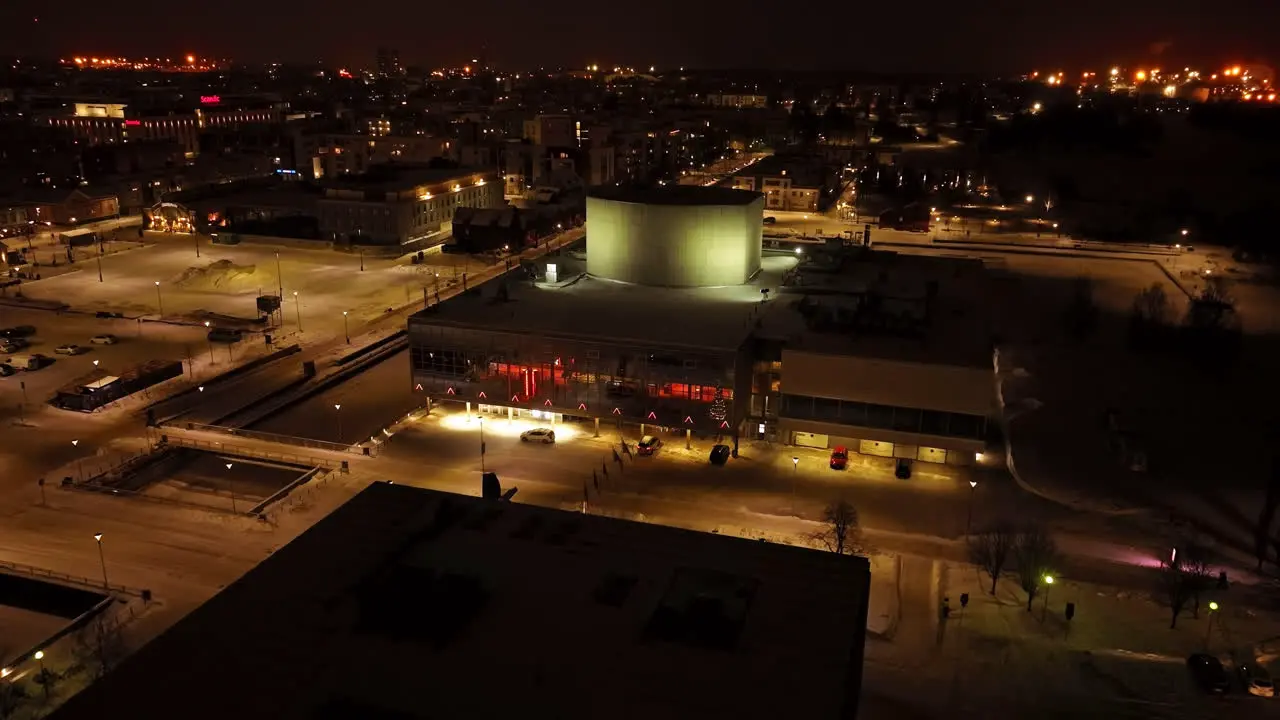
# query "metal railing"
(33, 571)
(353, 449)
(241, 451)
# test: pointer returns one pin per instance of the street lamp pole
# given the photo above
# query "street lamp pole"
(346, 329)
(159, 300)
(337, 408)
(99, 259)
(1213, 610)
(279, 277)
(968, 523)
(195, 240)
(482, 445)
(795, 467)
(209, 341)
(231, 484)
(297, 305)
(1048, 585)
(102, 560)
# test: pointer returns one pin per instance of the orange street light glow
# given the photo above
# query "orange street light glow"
(1141, 75)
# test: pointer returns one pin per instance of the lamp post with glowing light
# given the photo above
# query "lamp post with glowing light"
(1213, 610)
(346, 329)
(79, 461)
(337, 409)
(795, 470)
(159, 300)
(208, 340)
(44, 674)
(297, 306)
(968, 523)
(102, 560)
(1048, 585)
(231, 484)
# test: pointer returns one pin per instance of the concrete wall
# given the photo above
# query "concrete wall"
(887, 382)
(673, 245)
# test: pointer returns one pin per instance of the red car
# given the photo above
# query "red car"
(839, 458)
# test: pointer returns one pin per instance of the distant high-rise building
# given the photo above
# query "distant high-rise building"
(389, 63)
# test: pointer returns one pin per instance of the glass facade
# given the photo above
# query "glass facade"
(884, 417)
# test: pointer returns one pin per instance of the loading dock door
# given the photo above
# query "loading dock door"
(813, 440)
(872, 447)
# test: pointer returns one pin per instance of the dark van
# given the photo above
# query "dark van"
(224, 335)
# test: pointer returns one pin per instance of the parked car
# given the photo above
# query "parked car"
(902, 469)
(71, 349)
(1207, 672)
(224, 335)
(6, 371)
(769, 220)
(18, 331)
(1256, 680)
(104, 339)
(34, 361)
(839, 458)
(720, 454)
(540, 435)
(648, 445)
(10, 345)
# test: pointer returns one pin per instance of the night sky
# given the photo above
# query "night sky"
(917, 35)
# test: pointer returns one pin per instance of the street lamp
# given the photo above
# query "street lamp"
(297, 305)
(44, 674)
(1213, 610)
(102, 559)
(346, 330)
(1031, 199)
(1048, 585)
(159, 300)
(79, 461)
(232, 485)
(209, 341)
(968, 523)
(795, 466)
(337, 408)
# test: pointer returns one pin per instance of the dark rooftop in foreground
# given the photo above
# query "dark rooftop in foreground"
(411, 603)
(676, 195)
(397, 177)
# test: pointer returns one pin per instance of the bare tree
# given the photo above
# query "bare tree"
(1151, 306)
(841, 533)
(99, 645)
(1034, 555)
(1176, 586)
(990, 550)
(11, 697)
(1196, 572)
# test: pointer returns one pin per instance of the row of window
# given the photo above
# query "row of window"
(884, 417)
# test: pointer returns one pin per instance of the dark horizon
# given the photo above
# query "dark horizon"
(930, 37)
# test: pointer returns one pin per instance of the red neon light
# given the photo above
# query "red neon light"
(450, 391)
(132, 123)
(582, 406)
(547, 403)
(418, 387)
(483, 395)
(515, 398)
(652, 416)
(724, 423)
(616, 411)
(688, 419)
(210, 99)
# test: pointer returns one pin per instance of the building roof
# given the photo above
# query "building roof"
(889, 306)
(675, 195)
(711, 318)
(396, 177)
(805, 171)
(409, 603)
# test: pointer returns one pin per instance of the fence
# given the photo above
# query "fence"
(220, 447)
(90, 583)
(271, 437)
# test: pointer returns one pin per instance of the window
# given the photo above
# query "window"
(906, 419)
(826, 409)
(879, 416)
(933, 422)
(853, 413)
(797, 406)
(965, 426)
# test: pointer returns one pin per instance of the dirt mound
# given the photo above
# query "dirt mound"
(223, 275)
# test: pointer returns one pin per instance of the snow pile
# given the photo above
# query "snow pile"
(226, 276)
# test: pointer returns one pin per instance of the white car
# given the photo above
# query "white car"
(70, 350)
(104, 339)
(542, 435)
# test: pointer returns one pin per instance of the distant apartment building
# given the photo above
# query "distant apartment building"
(108, 123)
(388, 60)
(552, 131)
(401, 204)
(328, 155)
(69, 207)
(794, 183)
(737, 101)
